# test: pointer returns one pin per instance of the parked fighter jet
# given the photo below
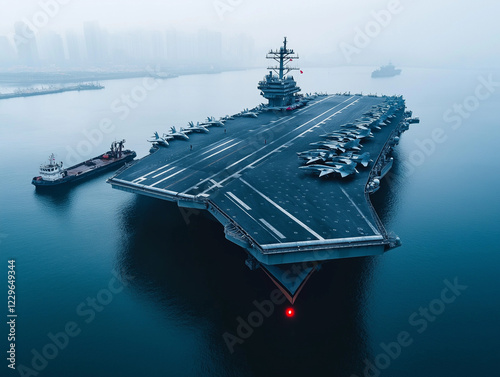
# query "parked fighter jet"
(363, 159)
(337, 146)
(373, 124)
(177, 134)
(161, 141)
(338, 133)
(343, 169)
(197, 128)
(212, 122)
(248, 114)
(361, 133)
(316, 155)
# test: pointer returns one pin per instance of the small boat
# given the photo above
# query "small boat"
(53, 173)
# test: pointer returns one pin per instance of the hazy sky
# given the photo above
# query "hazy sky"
(437, 32)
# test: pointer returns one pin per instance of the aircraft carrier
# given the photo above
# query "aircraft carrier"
(290, 181)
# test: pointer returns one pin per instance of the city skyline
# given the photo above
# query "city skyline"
(423, 34)
(93, 46)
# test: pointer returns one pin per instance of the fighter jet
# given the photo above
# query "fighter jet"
(177, 134)
(362, 133)
(333, 147)
(356, 133)
(341, 139)
(341, 133)
(316, 155)
(212, 122)
(339, 161)
(342, 169)
(363, 159)
(193, 128)
(342, 147)
(157, 140)
(248, 114)
(366, 124)
(349, 158)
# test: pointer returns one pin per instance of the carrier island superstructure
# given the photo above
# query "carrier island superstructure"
(289, 181)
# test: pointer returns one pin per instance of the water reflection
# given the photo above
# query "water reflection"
(61, 197)
(386, 199)
(56, 198)
(199, 279)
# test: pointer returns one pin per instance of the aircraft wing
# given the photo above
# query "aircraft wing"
(326, 171)
(312, 160)
(347, 170)
(344, 174)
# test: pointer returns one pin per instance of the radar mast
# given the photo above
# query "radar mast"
(280, 89)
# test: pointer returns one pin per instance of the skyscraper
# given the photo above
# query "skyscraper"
(51, 48)
(95, 42)
(25, 40)
(74, 48)
(7, 52)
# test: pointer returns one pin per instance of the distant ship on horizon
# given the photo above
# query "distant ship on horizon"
(386, 71)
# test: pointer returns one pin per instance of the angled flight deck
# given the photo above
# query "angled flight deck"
(247, 171)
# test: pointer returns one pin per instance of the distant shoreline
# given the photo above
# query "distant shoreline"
(37, 78)
(27, 78)
(50, 90)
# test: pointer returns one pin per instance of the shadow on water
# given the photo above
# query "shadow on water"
(54, 197)
(61, 196)
(386, 199)
(194, 276)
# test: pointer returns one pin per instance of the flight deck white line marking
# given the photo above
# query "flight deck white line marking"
(241, 202)
(273, 229)
(250, 216)
(154, 171)
(216, 184)
(166, 171)
(296, 137)
(361, 213)
(178, 160)
(257, 151)
(265, 156)
(170, 176)
(222, 150)
(217, 146)
(284, 211)
(305, 110)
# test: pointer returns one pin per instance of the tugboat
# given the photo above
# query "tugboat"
(386, 71)
(53, 173)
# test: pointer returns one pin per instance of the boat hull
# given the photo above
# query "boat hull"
(83, 175)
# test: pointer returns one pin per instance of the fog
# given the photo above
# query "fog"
(237, 33)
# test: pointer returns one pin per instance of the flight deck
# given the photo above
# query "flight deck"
(247, 172)
(290, 180)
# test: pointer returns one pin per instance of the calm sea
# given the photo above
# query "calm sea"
(112, 284)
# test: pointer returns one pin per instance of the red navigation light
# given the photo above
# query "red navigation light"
(290, 312)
